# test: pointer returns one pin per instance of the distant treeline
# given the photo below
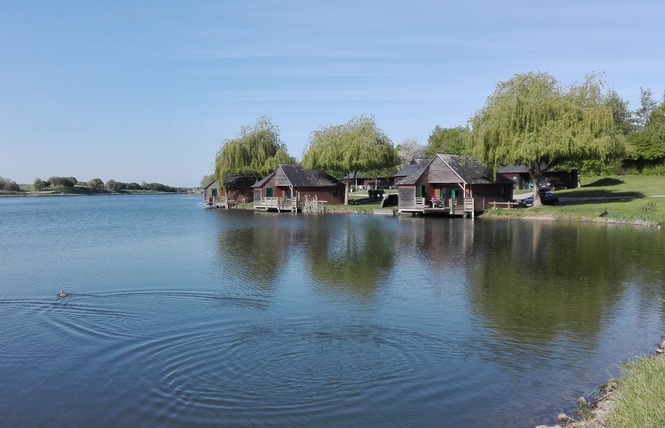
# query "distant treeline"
(9, 185)
(96, 185)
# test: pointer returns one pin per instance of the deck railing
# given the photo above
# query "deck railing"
(277, 203)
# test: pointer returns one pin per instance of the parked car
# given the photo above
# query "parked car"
(553, 183)
(547, 198)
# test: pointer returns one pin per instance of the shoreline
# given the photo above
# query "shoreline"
(597, 220)
(594, 414)
(35, 194)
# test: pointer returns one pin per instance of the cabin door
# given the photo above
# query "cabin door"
(448, 193)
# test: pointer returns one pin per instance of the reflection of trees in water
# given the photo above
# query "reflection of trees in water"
(257, 250)
(348, 254)
(539, 280)
(343, 253)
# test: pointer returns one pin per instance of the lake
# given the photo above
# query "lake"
(181, 316)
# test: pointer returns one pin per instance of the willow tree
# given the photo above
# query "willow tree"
(257, 151)
(357, 145)
(532, 120)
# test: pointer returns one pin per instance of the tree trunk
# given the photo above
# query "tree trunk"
(346, 188)
(535, 174)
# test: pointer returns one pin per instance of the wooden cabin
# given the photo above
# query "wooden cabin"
(451, 184)
(213, 195)
(237, 188)
(362, 180)
(292, 187)
(519, 175)
(417, 164)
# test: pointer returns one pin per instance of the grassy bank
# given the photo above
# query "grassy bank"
(640, 397)
(618, 199)
(630, 199)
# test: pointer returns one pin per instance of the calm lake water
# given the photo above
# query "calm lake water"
(180, 316)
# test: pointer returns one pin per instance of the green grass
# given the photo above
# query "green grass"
(640, 399)
(624, 199)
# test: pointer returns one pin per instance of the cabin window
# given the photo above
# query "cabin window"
(269, 192)
(214, 193)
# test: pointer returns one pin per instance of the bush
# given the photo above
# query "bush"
(378, 193)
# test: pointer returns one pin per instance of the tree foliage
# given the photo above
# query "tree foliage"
(623, 117)
(112, 185)
(10, 185)
(410, 149)
(257, 150)
(532, 120)
(358, 145)
(40, 184)
(63, 181)
(647, 106)
(96, 185)
(207, 179)
(647, 144)
(454, 141)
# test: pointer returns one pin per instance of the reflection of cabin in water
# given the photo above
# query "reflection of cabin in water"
(291, 187)
(450, 184)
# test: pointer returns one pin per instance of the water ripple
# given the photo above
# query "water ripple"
(294, 371)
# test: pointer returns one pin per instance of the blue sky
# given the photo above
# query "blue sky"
(148, 91)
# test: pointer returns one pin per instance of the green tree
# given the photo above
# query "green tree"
(40, 184)
(623, 117)
(257, 150)
(647, 145)
(63, 181)
(112, 185)
(454, 141)
(207, 179)
(7, 184)
(532, 120)
(647, 106)
(95, 185)
(358, 145)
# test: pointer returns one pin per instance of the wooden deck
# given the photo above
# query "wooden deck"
(222, 203)
(497, 204)
(466, 207)
(277, 204)
(309, 205)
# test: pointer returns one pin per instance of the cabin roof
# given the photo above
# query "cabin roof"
(413, 173)
(239, 181)
(301, 177)
(468, 169)
(518, 169)
(415, 165)
(262, 181)
(210, 184)
(356, 175)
